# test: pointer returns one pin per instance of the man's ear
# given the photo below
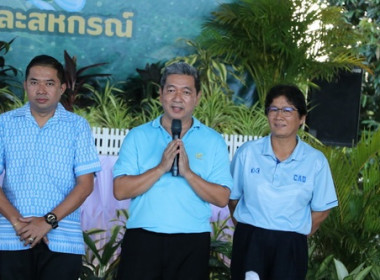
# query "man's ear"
(63, 88)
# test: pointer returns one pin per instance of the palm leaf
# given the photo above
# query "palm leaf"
(273, 42)
(350, 233)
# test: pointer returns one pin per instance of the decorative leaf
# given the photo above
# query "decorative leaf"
(341, 270)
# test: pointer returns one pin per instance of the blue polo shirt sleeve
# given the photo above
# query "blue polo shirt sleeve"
(127, 163)
(86, 157)
(324, 195)
(221, 174)
(236, 171)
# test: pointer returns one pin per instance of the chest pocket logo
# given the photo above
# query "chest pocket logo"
(255, 170)
(299, 178)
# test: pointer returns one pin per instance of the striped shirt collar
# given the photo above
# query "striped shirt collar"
(60, 114)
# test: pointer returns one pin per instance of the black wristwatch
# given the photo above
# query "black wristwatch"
(51, 219)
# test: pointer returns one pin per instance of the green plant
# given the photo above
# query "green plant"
(221, 249)
(151, 108)
(75, 80)
(274, 43)
(321, 269)
(90, 114)
(214, 109)
(351, 232)
(108, 110)
(333, 269)
(8, 100)
(4, 68)
(357, 274)
(249, 121)
(101, 261)
(144, 86)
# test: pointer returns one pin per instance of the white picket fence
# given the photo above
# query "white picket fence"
(108, 140)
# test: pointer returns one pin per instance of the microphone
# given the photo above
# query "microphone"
(176, 133)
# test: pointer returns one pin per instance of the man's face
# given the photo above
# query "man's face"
(44, 89)
(179, 97)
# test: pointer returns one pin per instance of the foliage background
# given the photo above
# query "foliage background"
(350, 235)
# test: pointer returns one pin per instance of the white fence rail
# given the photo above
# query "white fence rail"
(108, 140)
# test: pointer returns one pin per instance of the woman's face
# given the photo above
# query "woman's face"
(284, 120)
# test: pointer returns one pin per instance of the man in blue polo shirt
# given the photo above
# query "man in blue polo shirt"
(49, 159)
(168, 231)
(283, 190)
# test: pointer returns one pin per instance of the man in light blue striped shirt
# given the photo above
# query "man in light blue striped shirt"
(49, 159)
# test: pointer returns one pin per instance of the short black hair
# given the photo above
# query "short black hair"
(46, 60)
(181, 68)
(292, 94)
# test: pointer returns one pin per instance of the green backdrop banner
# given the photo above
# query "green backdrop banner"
(127, 34)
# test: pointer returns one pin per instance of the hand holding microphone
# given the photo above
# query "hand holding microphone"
(176, 133)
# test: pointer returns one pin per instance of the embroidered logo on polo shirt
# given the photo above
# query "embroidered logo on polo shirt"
(255, 170)
(198, 155)
(299, 178)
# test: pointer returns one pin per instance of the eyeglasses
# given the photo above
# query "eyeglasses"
(286, 111)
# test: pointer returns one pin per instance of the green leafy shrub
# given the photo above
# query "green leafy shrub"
(8, 100)
(351, 232)
(101, 259)
(247, 34)
(221, 249)
(75, 80)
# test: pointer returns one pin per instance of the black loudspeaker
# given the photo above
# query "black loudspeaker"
(335, 108)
